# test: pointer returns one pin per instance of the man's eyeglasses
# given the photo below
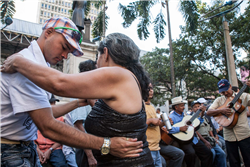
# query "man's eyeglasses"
(75, 33)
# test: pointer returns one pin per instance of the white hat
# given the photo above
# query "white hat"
(178, 100)
(202, 100)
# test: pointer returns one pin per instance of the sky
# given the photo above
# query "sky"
(115, 21)
(27, 10)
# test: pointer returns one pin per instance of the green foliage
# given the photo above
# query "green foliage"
(199, 58)
(141, 10)
(157, 65)
(240, 30)
(98, 25)
(159, 24)
(7, 9)
(189, 11)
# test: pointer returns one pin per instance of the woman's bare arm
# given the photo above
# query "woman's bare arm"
(87, 85)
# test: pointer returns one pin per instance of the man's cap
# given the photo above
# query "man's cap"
(68, 34)
(195, 102)
(178, 100)
(53, 99)
(202, 100)
(223, 85)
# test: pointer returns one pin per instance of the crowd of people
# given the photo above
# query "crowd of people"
(110, 120)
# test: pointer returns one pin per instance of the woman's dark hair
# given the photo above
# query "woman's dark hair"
(126, 53)
(87, 65)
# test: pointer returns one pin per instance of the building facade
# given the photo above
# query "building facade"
(58, 8)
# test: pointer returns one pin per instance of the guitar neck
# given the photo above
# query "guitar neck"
(195, 115)
(238, 94)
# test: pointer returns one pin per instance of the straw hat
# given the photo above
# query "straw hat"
(178, 100)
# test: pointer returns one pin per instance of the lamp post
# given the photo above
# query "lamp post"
(8, 21)
(229, 52)
(171, 53)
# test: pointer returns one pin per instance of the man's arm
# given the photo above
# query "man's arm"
(154, 121)
(65, 134)
(62, 109)
(207, 144)
(91, 159)
(225, 111)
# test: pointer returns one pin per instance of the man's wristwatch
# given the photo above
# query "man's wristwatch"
(106, 146)
(51, 149)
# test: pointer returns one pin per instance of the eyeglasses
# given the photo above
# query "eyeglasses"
(75, 33)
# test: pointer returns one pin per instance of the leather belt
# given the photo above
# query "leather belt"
(7, 141)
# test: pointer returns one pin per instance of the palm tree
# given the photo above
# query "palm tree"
(141, 10)
(101, 23)
(7, 9)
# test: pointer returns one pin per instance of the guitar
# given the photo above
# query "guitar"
(192, 123)
(237, 109)
(166, 138)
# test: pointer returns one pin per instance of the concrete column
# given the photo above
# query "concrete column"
(229, 54)
(86, 35)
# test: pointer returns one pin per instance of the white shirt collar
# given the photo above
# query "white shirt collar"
(36, 51)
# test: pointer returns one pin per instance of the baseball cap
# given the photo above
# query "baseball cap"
(223, 85)
(72, 35)
(53, 99)
(195, 102)
(202, 100)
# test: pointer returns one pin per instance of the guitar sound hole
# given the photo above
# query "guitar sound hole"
(188, 123)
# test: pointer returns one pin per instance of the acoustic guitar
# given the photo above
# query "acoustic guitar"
(237, 109)
(192, 122)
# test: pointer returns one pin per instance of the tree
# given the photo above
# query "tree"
(240, 34)
(141, 10)
(7, 9)
(102, 18)
(199, 58)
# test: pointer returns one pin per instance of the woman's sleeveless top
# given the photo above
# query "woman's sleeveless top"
(103, 121)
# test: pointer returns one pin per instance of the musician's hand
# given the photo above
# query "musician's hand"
(202, 108)
(183, 128)
(208, 145)
(171, 121)
(227, 111)
(217, 141)
(217, 137)
(164, 129)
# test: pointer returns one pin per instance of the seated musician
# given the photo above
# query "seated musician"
(205, 133)
(175, 154)
(196, 147)
(239, 135)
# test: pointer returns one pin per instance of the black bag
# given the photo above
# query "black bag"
(211, 140)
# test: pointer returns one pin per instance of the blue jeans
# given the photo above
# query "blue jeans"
(175, 154)
(21, 155)
(71, 159)
(157, 158)
(57, 159)
(220, 156)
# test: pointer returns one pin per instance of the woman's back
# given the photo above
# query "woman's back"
(106, 122)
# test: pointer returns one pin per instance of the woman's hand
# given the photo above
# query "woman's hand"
(8, 66)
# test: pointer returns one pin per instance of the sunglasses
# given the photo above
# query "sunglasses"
(75, 33)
